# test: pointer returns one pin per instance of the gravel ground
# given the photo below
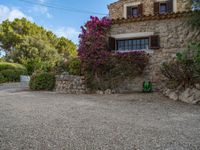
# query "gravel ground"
(50, 121)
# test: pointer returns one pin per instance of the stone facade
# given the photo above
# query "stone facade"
(172, 31)
(116, 10)
(69, 84)
(174, 37)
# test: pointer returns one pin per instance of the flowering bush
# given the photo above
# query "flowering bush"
(102, 68)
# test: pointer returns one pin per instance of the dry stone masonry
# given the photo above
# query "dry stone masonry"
(70, 84)
(117, 9)
(15, 86)
(189, 95)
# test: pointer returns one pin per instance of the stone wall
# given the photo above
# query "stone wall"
(116, 10)
(14, 86)
(174, 37)
(69, 84)
(189, 95)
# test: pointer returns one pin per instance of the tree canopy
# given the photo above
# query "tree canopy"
(29, 44)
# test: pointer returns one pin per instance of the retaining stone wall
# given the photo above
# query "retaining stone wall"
(70, 84)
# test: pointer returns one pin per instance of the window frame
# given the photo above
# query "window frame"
(138, 44)
(126, 5)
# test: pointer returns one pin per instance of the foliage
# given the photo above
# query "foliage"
(74, 66)
(94, 37)
(33, 46)
(2, 79)
(61, 67)
(14, 66)
(185, 69)
(110, 70)
(194, 19)
(1, 59)
(66, 47)
(10, 72)
(102, 68)
(42, 81)
(10, 75)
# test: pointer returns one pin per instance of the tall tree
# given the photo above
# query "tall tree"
(27, 43)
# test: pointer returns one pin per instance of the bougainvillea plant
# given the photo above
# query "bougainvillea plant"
(93, 37)
(102, 68)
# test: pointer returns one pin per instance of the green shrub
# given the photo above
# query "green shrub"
(14, 66)
(74, 66)
(36, 64)
(2, 79)
(11, 75)
(178, 73)
(193, 19)
(1, 59)
(42, 81)
(10, 72)
(185, 69)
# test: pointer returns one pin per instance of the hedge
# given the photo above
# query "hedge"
(10, 72)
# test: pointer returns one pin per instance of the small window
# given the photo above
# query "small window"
(133, 44)
(163, 8)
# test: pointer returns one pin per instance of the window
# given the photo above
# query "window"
(133, 44)
(163, 8)
(135, 11)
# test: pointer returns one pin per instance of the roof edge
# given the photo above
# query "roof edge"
(152, 17)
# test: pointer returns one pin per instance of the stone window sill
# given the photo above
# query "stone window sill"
(149, 51)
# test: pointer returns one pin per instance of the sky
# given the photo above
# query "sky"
(64, 20)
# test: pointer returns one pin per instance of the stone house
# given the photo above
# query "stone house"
(158, 27)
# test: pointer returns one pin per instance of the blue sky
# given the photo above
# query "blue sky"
(63, 23)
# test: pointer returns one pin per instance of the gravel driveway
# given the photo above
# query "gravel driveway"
(50, 121)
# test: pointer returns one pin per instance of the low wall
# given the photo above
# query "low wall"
(70, 84)
(189, 95)
(128, 86)
(15, 85)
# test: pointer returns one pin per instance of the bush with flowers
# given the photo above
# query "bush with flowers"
(104, 69)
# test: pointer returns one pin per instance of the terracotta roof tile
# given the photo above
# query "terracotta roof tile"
(152, 17)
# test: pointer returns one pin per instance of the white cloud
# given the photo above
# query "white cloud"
(11, 14)
(42, 10)
(68, 32)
